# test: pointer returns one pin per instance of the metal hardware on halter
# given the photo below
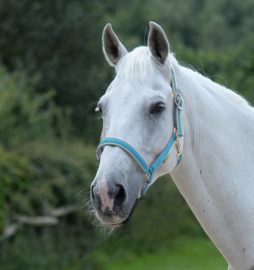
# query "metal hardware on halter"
(179, 151)
(148, 176)
(178, 100)
(166, 158)
(178, 147)
(177, 133)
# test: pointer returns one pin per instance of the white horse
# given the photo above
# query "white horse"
(216, 175)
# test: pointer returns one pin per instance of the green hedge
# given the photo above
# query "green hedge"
(15, 173)
(26, 116)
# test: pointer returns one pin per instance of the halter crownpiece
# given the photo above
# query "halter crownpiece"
(175, 138)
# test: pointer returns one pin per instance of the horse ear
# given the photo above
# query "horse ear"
(112, 47)
(158, 42)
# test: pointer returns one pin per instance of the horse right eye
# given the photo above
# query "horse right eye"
(158, 108)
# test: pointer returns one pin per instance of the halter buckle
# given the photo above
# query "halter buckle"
(179, 151)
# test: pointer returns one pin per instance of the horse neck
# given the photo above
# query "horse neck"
(213, 176)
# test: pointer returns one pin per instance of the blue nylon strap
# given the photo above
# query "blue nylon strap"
(128, 148)
(178, 115)
(180, 158)
(164, 153)
(125, 146)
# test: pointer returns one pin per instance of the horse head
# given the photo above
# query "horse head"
(138, 112)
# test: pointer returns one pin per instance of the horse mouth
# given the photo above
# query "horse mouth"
(127, 219)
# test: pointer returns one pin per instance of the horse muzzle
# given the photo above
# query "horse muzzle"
(111, 201)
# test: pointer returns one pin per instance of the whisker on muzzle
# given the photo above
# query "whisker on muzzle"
(104, 229)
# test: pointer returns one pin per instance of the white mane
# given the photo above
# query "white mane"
(140, 64)
(237, 98)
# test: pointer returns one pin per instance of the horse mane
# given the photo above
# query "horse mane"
(204, 81)
(139, 64)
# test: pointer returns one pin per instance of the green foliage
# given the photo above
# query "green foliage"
(197, 24)
(40, 171)
(181, 253)
(226, 23)
(26, 116)
(14, 175)
(59, 175)
(57, 40)
(56, 168)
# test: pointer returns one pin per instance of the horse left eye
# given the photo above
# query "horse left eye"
(157, 108)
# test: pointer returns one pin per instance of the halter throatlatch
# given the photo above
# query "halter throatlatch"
(175, 138)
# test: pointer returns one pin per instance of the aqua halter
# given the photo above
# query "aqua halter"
(177, 133)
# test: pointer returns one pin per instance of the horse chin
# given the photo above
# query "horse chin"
(114, 225)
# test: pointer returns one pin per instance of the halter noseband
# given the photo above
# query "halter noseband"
(177, 133)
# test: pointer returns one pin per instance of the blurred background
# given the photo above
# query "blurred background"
(52, 73)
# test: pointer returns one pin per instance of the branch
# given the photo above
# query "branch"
(37, 221)
(9, 231)
(62, 211)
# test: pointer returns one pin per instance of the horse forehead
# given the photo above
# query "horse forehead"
(122, 88)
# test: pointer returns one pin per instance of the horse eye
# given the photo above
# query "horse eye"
(157, 108)
(98, 109)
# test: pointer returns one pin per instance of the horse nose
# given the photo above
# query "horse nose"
(110, 195)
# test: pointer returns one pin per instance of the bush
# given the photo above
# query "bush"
(41, 169)
(26, 116)
(14, 179)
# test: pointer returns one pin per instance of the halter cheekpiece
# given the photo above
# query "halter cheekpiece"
(175, 138)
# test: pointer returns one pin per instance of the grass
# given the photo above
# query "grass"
(184, 253)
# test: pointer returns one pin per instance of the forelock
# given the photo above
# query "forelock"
(138, 64)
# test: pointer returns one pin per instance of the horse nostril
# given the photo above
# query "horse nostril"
(120, 195)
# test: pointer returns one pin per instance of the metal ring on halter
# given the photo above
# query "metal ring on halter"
(178, 100)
